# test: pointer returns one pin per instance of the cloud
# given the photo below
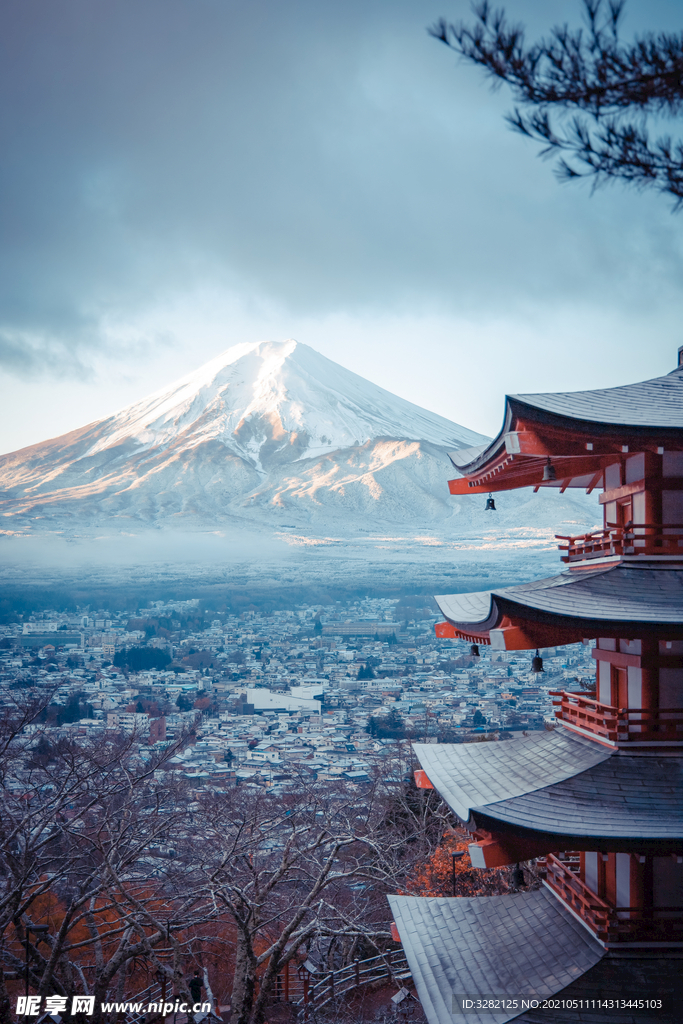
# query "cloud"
(322, 158)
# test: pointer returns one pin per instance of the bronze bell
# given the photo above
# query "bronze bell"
(474, 651)
(490, 504)
(549, 471)
(537, 663)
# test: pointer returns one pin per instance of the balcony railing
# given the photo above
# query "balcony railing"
(645, 539)
(619, 725)
(613, 924)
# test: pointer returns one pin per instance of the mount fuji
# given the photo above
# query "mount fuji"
(271, 440)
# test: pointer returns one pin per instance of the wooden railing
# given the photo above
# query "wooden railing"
(612, 924)
(576, 894)
(304, 989)
(321, 988)
(638, 539)
(619, 725)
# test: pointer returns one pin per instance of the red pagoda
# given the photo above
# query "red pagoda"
(600, 796)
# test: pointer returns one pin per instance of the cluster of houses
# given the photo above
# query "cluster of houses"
(271, 698)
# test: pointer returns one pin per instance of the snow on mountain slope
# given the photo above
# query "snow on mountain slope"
(286, 385)
(250, 409)
(266, 438)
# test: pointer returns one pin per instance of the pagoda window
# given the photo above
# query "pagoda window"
(607, 643)
(667, 884)
(613, 476)
(672, 464)
(591, 876)
(623, 881)
(638, 505)
(671, 689)
(672, 507)
(635, 687)
(618, 687)
(630, 646)
(635, 468)
(594, 867)
(604, 683)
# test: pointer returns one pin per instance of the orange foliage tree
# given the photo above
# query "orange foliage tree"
(434, 875)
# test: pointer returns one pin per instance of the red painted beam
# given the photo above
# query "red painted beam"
(499, 851)
(616, 658)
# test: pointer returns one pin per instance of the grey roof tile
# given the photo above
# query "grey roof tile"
(622, 797)
(561, 784)
(649, 403)
(471, 775)
(624, 593)
(526, 943)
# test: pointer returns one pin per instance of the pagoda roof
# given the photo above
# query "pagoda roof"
(650, 403)
(559, 784)
(581, 431)
(469, 775)
(514, 945)
(625, 798)
(588, 601)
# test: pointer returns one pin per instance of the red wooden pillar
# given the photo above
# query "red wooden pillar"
(602, 874)
(653, 492)
(650, 679)
(638, 884)
(610, 868)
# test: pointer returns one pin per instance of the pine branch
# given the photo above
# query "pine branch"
(584, 94)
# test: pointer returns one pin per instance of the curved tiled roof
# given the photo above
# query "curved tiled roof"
(623, 592)
(559, 783)
(469, 775)
(629, 412)
(650, 403)
(622, 797)
(522, 944)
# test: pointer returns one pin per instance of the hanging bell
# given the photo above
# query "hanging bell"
(474, 651)
(549, 471)
(537, 663)
(490, 504)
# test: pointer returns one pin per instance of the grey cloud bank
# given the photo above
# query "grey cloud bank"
(306, 161)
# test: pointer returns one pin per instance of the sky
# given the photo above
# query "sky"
(178, 176)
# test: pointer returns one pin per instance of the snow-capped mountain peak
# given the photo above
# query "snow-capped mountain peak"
(267, 438)
(253, 393)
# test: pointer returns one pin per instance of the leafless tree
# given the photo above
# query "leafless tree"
(77, 821)
(584, 94)
(303, 873)
(266, 879)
